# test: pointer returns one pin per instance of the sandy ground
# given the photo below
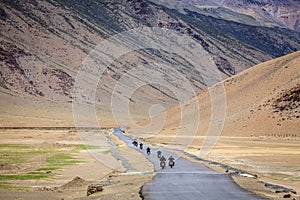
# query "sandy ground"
(125, 183)
(259, 134)
(272, 160)
(255, 155)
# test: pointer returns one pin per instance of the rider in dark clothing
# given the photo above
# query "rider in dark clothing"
(148, 150)
(141, 145)
(162, 162)
(159, 154)
(135, 143)
(162, 159)
(171, 159)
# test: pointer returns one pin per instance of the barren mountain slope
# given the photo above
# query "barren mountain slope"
(283, 13)
(261, 101)
(44, 42)
(261, 129)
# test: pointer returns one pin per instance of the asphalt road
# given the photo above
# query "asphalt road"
(188, 180)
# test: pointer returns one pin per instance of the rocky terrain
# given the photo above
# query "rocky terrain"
(282, 13)
(274, 85)
(288, 103)
(43, 44)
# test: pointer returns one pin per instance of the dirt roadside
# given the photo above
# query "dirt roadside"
(254, 162)
(68, 181)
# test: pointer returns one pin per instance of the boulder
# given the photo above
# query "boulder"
(93, 188)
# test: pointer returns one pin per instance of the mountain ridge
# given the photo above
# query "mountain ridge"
(43, 45)
(264, 12)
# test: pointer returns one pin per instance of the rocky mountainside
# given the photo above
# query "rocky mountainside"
(44, 42)
(282, 13)
(262, 101)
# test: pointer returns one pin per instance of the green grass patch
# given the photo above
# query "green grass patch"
(36, 173)
(119, 146)
(61, 160)
(5, 185)
(16, 154)
(28, 176)
(47, 168)
(106, 151)
(87, 147)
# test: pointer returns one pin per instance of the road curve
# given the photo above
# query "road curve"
(188, 180)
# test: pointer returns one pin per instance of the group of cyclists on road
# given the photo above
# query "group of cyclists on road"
(161, 158)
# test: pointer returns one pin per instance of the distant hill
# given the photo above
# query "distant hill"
(282, 13)
(44, 42)
(261, 101)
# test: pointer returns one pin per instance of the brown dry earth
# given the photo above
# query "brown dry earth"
(261, 132)
(70, 182)
(260, 135)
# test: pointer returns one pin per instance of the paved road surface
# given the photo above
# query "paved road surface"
(188, 180)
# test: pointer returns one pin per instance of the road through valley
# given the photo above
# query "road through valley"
(187, 180)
